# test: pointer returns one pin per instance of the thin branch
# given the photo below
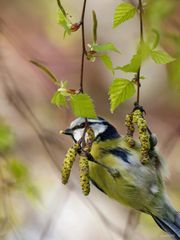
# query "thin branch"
(141, 40)
(83, 47)
(141, 21)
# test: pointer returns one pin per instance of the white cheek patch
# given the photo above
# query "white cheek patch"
(78, 133)
(98, 129)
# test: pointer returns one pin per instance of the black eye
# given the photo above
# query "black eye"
(81, 125)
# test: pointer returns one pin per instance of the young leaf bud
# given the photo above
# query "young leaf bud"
(75, 27)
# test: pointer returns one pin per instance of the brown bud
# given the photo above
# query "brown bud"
(75, 27)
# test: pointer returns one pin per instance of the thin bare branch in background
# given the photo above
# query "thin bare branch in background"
(106, 221)
(132, 223)
(51, 220)
(20, 104)
(171, 140)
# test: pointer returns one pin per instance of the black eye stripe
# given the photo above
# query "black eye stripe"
(82, 125)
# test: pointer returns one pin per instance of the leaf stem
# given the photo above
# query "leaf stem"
(141, 40)
(83, 48)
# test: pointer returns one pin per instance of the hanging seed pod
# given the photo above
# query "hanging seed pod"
(129, 124)
(83, 162)
(90, 139)
(84, 175)
(143, 135)
(142, 125)
(144, 139)
(130, 130)
(137, 114)
(129, 140)
(68, 162)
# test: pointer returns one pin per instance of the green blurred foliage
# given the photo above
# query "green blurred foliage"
(157, 11)
(6, 137)
(14, 177)
(157, 14)
(174, 74)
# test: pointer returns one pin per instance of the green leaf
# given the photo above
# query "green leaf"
(161, 57)
(107, 62)
(123, 12)
(156, 39)
(133, 66)
(64, 22)
(103, 47)
(82, 106)
(142, 54)
(58, 99)
(6, 137)
(120, 90)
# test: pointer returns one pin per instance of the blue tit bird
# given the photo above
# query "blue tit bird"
(119, 173)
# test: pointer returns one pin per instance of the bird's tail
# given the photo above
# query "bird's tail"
(172, 228)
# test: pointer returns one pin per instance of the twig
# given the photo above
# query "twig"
(141, 41)
(83, 47)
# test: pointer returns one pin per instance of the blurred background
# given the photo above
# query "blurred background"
(34, 205)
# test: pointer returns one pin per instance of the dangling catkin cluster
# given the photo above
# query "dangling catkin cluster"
(84, 175)
(130, 129)
(136, 118)
(68, 162)
(83, 161)
(90, 139)
(143, 135)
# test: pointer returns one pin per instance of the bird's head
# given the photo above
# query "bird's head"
(102, 129)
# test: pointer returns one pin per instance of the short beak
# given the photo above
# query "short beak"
(67, 131)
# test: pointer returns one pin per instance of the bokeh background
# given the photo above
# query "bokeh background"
(34, 205)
